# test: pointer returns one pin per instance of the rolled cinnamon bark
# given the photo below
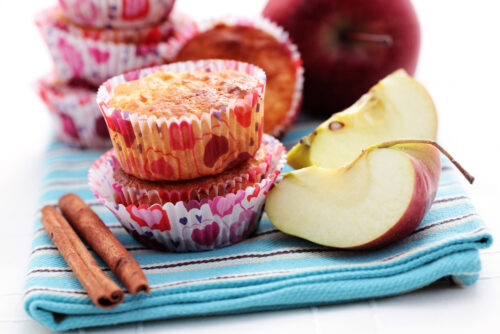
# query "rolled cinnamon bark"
(101, 289)
(95, 233)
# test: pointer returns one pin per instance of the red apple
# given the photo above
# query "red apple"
(347, 45)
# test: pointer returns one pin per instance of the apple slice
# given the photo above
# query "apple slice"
(379, 198)
(397, 107)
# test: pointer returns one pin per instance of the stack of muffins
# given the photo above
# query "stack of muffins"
(190, 166)
(93, 40)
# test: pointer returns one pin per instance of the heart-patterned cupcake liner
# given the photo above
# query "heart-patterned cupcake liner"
(93, 57)
(193, 226)
(77, 117)
(269, 27)
(117, 13)
(188, 146)
(130, 190)
(134, 35)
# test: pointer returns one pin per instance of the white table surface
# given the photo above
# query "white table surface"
(459, 64)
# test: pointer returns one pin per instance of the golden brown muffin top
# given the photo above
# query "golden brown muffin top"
(187, 93)
(253, 46)
(251, 163)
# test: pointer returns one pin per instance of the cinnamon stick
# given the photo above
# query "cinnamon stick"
(91, 228)
(101, 289)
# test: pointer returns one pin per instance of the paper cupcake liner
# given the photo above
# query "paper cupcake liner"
(262, 23)
(136, 35)
(116, 13)
(78, 56)
(193, 226)
(186, 147)
(240, 177)
(77, 117)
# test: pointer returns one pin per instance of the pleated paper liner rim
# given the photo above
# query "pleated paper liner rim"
(188, 191)
(105, 91)
(110, 13)
(196, 225)
(131, 35)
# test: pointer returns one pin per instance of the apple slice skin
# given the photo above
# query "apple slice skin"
(426, 163)
(427, 175)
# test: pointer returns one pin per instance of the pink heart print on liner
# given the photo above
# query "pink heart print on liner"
(153, 217)
(207, 235)
(121, 126)
(86, 10)
(236, 233)
(161, 166)
(243, 109)
(134, 9)
(70, 57)
(98, 55)
(112, 14)
(181, 136)
(216, 147)
(69, 126)
(222, 207)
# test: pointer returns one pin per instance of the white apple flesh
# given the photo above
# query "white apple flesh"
(377, 199)
(397, 107)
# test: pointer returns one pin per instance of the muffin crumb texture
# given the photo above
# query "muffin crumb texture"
(187, 93)
(254, 46)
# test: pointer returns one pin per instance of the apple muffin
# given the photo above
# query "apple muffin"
(131, 190)
(168, 93)
(184, 120)
(94, 55)
(193, 215)
(262, 43)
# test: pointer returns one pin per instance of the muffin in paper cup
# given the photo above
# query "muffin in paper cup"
(94, 56)
(131, 190)
(187, 146)
(196, 225)
(77, 117)
(257, 41)
(117, 13)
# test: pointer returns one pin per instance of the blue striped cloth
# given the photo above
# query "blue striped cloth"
(269, 271)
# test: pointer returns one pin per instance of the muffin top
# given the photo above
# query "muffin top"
(255, 46)
(188, 93)
(251, 164)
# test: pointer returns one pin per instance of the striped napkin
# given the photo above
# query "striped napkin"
(268, 271)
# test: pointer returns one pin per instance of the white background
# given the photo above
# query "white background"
(459, 64)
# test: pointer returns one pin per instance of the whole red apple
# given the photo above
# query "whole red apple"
(347, 45)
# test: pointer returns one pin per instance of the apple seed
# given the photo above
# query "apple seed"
(335, 125)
